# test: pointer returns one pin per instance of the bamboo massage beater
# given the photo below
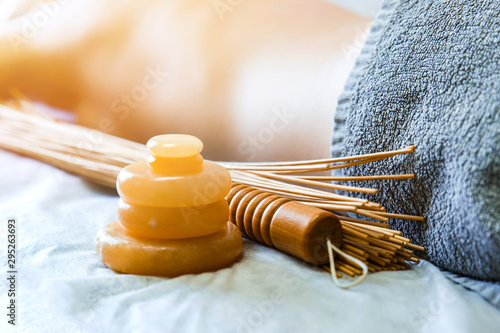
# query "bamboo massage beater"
(281, 223)
(306, 232)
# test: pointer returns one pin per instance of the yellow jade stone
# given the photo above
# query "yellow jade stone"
(174, 145)
(172, 215)
(172, 222)
(137, 184)
(167, 257)
(174, 176)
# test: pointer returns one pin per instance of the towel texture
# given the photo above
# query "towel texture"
(429, 75)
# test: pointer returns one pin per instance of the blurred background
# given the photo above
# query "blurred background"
(254, 80)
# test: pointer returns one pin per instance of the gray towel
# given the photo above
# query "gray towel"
(429, 75)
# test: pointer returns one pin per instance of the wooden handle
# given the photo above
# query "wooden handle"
(284, 224)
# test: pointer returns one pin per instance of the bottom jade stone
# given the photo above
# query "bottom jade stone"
(167, 257)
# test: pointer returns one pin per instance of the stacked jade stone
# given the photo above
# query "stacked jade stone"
(172, 215)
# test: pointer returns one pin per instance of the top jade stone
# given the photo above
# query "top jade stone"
(174, 145)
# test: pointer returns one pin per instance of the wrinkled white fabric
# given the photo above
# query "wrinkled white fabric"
(63, 287)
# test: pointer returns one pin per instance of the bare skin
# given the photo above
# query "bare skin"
(254, 80)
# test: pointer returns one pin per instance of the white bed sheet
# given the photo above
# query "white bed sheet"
(63, 287)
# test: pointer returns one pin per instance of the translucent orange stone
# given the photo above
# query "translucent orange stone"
(174, 176)
(174, 145)
(172, 215)
(143, 256)
(172, 222)
(137, 184)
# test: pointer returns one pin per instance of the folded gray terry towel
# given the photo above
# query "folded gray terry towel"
(429, 75)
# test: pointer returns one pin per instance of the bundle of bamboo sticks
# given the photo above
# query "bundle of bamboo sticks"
(99, 157)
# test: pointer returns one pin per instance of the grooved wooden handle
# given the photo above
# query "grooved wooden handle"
(284, 224)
